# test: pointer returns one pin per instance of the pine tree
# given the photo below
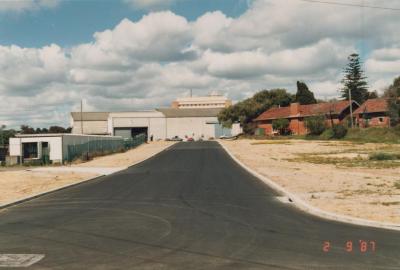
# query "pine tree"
(304, 96)
(354, 80)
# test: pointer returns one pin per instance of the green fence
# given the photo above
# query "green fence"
(91, 149)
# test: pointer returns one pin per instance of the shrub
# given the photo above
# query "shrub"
(339, 131)
(315, 124)
(327, 134)
(282, 125)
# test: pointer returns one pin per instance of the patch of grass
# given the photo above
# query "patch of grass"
(374, 135)
(397, 184)
(384, 156)
(272, 142)
(390, 203)
(344, 161)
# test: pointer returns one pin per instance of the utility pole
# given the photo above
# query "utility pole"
(351, 109)
(82, 116)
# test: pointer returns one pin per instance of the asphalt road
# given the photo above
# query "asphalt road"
(190, 207)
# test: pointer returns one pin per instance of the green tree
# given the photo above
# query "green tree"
(315, 124)
(392, 95)
(304, 96)
(5, 135)
(282, 125)
(247, 110)
(354, 80)
(27, 130)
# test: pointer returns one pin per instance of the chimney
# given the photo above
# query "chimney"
(294, 109)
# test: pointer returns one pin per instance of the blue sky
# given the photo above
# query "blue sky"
(73, 22)
(142, 54)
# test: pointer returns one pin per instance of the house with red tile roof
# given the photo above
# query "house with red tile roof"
(335, 113)
(373, 113)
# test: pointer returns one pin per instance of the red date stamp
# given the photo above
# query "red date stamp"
(361, 246)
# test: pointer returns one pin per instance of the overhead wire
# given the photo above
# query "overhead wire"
(350, 4)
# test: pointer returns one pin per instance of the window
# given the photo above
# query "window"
(30, 150)
(380, 119)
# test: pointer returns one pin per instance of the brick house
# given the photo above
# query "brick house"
(335, 112)
(373, 113)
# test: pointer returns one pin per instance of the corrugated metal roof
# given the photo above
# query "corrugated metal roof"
(177, 113)
(90, 116)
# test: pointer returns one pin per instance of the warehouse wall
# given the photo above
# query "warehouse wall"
(191, 126)
(90, 127)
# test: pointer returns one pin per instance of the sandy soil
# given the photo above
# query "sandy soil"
(130, 157)
(16, 185)
(369, 193)
(19, 184)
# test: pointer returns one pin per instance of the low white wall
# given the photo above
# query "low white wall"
(55, 146)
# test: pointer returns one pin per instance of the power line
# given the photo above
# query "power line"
(349, 5)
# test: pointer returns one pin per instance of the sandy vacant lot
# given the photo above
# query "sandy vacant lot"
(334, 176)
(130, 157)
(19, 184)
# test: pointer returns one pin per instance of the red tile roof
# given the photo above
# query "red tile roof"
(372, 106)
(304, 110)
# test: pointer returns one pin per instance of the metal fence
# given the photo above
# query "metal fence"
(91, 149)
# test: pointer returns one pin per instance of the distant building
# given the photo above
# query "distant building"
(34, 147)
(335, 112)
(373, 113)
(159, 124)
(213, 100)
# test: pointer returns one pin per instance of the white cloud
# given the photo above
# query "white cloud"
(149, 4)
(24, 71)
(26, 5)
(149, 62)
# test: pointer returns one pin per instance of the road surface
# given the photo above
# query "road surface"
(190, 207)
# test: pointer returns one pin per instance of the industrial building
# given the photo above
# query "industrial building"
(197, 121)
(33, 147)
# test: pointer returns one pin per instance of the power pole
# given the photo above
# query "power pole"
(351, 109)
(81, 116)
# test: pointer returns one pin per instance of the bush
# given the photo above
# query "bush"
(327, 134)
(282, 125)
(339, 131)
(315, 124)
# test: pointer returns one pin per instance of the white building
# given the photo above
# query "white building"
(31, 147)
(214, 100)
(159, 124)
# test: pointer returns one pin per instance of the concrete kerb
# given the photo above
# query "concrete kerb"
(26, 199)
(306, 207)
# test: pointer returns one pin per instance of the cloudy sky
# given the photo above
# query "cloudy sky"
(141, 54)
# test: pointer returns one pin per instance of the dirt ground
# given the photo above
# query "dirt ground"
(334, 176)
(128, 158)
(18, 182)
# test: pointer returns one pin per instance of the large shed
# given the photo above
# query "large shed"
(157, 124)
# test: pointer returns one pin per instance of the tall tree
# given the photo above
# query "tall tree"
(245, 111)
(354, 80)
(304, 96)
(392, 95)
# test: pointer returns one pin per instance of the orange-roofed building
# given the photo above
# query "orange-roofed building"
(335, 112)
(373, 113)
